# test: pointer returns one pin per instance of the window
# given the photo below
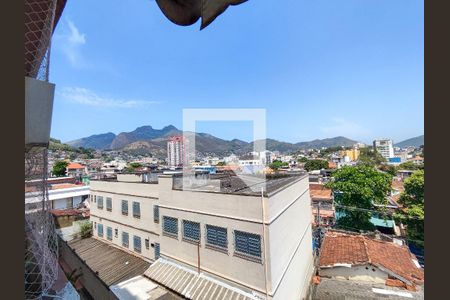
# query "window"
(125, 239)
(108, 204)
(109, 233)
(95, 198)
(100, 202)
(247, 243)
(100, 230)
(136, 209)
(147, 244)
(116, 232)
(137, 243)
(216, 236)
(191, 230)
(156, 213)
(170, 226)
(157, 251)
(125, 207)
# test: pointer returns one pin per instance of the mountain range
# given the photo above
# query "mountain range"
(146, 139)
(413, 142)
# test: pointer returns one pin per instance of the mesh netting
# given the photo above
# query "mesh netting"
(41, 249)
(39, 19)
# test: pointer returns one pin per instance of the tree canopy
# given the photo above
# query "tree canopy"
(59, 168)
(276, 164)
(360, 186)
(413, 202)
(316, 164)
(370, 157)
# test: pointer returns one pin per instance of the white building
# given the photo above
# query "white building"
(176, 151)
(258, 242)
(60, 195)
(385, 147)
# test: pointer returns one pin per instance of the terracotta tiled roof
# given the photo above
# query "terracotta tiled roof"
(319, 191)
(341, 248)
(75, 166)
(64, 186)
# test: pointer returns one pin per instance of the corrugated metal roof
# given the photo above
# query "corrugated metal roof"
(112, 264)
(192, 285)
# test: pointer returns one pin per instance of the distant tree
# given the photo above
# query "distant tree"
(276, 164)
(413, 202)
(59, 168)
(409, 165)
(392, 170)
(221, 163)
(135, 165)
(359, 187)
(302, 159)
(316, 164)
(370, 157)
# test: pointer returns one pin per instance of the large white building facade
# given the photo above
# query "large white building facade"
(257, 241)
(385, 147)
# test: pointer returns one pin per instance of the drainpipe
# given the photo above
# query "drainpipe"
(264, 239)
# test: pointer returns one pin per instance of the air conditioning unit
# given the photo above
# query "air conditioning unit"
(38, 111)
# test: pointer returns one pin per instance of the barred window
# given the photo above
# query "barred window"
(136, 209)
(170, 226)
(137, 243)
(247, 243)
(156, 213)
(125, 239)
(217, 236)
(109, 233)
(100, 230)
(124, 207)
(157, 251)
(108, 204)
(116, 232)
(191, 230)
(100, 202)
(147, 244)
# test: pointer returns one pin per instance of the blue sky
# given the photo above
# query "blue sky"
(320, 68)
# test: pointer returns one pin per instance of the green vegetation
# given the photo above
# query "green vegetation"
(85, 229)
(413, 202)
(359, 187)
(409, 165)
(316, 164)
(370, 157)
(221, 163)
(302, 159)
(276, 164)
(59, 168)
(392, 170)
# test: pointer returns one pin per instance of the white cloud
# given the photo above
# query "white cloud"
(71, 43)
(90, 98)
(343, 127)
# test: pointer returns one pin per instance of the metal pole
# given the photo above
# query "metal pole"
(198, 257)
(263, 241)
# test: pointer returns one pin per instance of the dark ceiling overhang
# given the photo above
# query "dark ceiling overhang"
(187, 12)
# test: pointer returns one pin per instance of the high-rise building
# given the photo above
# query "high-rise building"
(385, 147)
(176, 155)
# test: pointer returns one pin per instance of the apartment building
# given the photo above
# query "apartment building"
(176, 153)
(255, 239)
(385, 147)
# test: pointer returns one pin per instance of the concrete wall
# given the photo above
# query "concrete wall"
(145, 222)
(290, 241)
(358, 273)
(62, 203)
(225, 265)
(117, 240)
(133, 188)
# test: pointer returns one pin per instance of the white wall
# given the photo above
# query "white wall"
(62, 203)
(290, 241)
(358, 273)
(117, 240)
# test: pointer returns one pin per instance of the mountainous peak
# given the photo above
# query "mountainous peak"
(144, 128)
(169, 127)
